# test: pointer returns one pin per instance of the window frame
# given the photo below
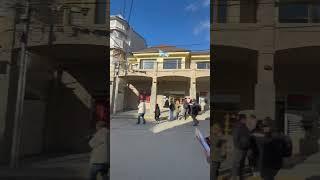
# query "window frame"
(142, 61)
(206, 63)
(178, 63)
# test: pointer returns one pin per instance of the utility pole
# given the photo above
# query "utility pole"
(116, 85)
(22, 69)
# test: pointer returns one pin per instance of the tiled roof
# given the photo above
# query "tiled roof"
(164, 48)
(200, 53)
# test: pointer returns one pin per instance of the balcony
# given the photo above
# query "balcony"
(115, 25)
(116, 42)
(158, 70)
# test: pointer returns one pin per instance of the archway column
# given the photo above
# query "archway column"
(265, 88)
(193, 85)
(153, 98)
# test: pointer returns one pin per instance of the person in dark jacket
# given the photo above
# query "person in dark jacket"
(241, 140)
(185, 109)
(270, 151)
(195, 109)
(157, 113)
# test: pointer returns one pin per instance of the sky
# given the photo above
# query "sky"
(181, 23)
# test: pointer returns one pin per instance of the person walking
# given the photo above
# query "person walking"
(241, 142)
(176, 109)
(271, 146)
(195, 109)
(157, 113)
(171, 111)
(219, 151)
(185, 108)
(98, 157)
(141, 111)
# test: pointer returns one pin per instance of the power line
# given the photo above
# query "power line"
(124, 8)
(130, 11)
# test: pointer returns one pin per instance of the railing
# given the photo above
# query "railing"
(158, 66)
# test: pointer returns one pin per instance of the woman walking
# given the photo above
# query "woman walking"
(157, 113)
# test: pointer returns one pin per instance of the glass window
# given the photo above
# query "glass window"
(147, 64)
(101, 12)
(248, 11)
(316, 13)
(293, 13)
(222, 11)
(172, 64)
(203, 65)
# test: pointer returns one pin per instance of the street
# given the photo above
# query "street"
(157, 151)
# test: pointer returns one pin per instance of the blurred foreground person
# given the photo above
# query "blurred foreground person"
(98, 160)
(219, 152)
(273, 147)
(242, 143)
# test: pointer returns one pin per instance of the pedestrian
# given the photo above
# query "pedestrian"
(195, 109)
(157, 113)
(219, 151)
(141, 111)
(98, 158)
(241, 142)
(176, 109)
(270, 144)
(166, 103)
(171, 111)
(185, 108)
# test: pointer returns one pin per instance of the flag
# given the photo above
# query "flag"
(163, 54)
(203, 142)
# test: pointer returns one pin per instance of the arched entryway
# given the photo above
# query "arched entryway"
(234, 79)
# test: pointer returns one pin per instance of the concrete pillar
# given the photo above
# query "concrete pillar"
(116, 92)
(193, 88)
(266, 12)
(233, 11)
(265, 89)
(153, 98)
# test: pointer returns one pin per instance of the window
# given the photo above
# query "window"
(172, 64)
(203, 65)
(293, 13)
(147, 64)
(101, 12)
(222, 11)
(316, 13)
(248, 10)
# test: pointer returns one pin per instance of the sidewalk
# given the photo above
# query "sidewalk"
(72, 167)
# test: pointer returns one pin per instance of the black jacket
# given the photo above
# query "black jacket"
(195, 109)
(241, 137)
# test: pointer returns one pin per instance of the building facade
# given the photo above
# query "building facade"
(181, 73)
(266, 58)
(123, 41)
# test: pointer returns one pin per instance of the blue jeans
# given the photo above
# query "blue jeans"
(103, 169)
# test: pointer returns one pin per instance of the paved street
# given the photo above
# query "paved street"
(156, 151)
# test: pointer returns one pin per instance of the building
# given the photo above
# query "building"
(123, 40)
(180, 74)
(66, 50)
(266, 59)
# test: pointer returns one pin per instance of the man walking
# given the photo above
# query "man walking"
(241, 140)
(195, 109)
(141, 112)
(185, 108)
(98, 159)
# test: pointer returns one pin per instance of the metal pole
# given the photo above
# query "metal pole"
(116, 88)
(14, 158)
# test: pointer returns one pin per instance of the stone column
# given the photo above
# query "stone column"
(265, 89)
(233, 11)
(153, 98)
(193, 88)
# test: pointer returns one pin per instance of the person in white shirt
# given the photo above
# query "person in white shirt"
(98, 159)
(141, 111)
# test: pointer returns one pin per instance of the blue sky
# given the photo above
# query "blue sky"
(183, 23)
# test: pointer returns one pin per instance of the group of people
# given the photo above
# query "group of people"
(180, 110)
(257, 141)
